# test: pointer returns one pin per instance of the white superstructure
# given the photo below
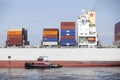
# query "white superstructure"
(87, 35)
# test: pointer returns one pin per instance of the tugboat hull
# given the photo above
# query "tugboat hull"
(32, 66)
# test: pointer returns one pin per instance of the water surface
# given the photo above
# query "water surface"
(65, 73)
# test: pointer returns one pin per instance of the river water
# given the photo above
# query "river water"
(65, 73)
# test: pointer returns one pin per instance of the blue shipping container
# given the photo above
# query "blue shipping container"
(50, 39)
(71, 31)
(68, 34)
(24, 32)
(68, 40)
(67, 43)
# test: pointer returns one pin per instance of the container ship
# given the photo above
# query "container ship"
(70, 46)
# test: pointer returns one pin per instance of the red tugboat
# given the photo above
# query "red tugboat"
(40, 64)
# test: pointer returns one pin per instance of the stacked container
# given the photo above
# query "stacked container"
(67, 34)
(50, 37)
(117, 31)
(16, 37)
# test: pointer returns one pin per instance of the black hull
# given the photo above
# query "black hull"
(31, 66)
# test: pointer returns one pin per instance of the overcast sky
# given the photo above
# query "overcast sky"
(34, 15)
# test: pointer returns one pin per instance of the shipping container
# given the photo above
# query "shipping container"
(67, 37)
(14, 32)
(50, 29)
(68, 34)
(17, 44)
(50, 39)
(25, 38)
(15, 29)
(49, 43)
(50, 32)
(51, 36)
(117, 32)
(15, 40)
(67, 27)
(67, 43)
(67, 23)
(14, 43)
(16, 36)
(69, 40)
(24, 32)
(10, 42)
(25, 35)
(68, 30)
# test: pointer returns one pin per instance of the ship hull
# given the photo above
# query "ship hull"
(21, 64)
(68, 57)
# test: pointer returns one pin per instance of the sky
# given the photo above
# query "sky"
(34, 15)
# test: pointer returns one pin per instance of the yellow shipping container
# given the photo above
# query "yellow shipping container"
(91, 17)
(50, 32)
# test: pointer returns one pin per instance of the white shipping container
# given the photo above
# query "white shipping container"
(50, 43)
(15, 29)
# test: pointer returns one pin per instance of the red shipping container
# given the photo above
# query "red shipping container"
(67, 23)
(67, 27)
(50, 29)
(117, 32)
(14, 43)
(11, 41)
(14, 35)
(15, 39)
(67, 37)
(50, 36)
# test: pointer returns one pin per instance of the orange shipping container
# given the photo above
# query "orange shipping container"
(50, 32)
(14, 32)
